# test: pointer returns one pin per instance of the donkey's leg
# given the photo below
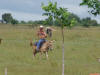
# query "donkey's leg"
(34, 51)
(33, 54)
(41, 55)
(46, 55)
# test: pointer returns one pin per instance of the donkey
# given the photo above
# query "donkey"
(44, 48)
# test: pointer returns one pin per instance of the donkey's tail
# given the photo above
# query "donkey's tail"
(31, 43)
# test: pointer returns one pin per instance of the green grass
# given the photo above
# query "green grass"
(82, 48)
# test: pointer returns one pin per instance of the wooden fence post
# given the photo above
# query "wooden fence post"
(6, 71)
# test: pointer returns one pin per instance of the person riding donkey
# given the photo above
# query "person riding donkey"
(41, 35)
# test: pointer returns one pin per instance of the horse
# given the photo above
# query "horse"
(44, 48)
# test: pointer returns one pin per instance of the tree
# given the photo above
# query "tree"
(86, 22)
(73, 17)
(23, 22)
(14, 21)
(61, 15)
(39, 22)
(94, 5)
(94, 23)
(73, 22)
(7, 17)
(30, 22)
(48, 21)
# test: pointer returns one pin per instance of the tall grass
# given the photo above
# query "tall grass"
(82, 48)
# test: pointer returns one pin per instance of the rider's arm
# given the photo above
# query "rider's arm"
(45, 35)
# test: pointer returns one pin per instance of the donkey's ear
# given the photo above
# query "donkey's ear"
(52, 41)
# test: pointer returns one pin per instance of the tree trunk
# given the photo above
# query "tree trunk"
(62, 51)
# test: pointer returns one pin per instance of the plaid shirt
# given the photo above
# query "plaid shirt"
(41, 34)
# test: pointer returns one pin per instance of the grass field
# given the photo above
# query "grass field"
(82, 48)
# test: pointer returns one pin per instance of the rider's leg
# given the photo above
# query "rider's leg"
(43, 40)
(39, 44)
(35, 43)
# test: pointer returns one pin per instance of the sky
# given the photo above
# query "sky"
(31, 9)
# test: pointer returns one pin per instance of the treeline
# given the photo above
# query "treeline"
(86, 22)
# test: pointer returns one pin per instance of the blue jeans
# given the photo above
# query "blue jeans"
(40, 42)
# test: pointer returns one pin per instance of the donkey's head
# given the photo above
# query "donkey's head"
(50, 44)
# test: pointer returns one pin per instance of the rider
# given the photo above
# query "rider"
(41, 35)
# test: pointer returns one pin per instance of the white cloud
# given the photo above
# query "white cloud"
(81, 11)
(31, 9)
(22, 15)
(77, 9)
